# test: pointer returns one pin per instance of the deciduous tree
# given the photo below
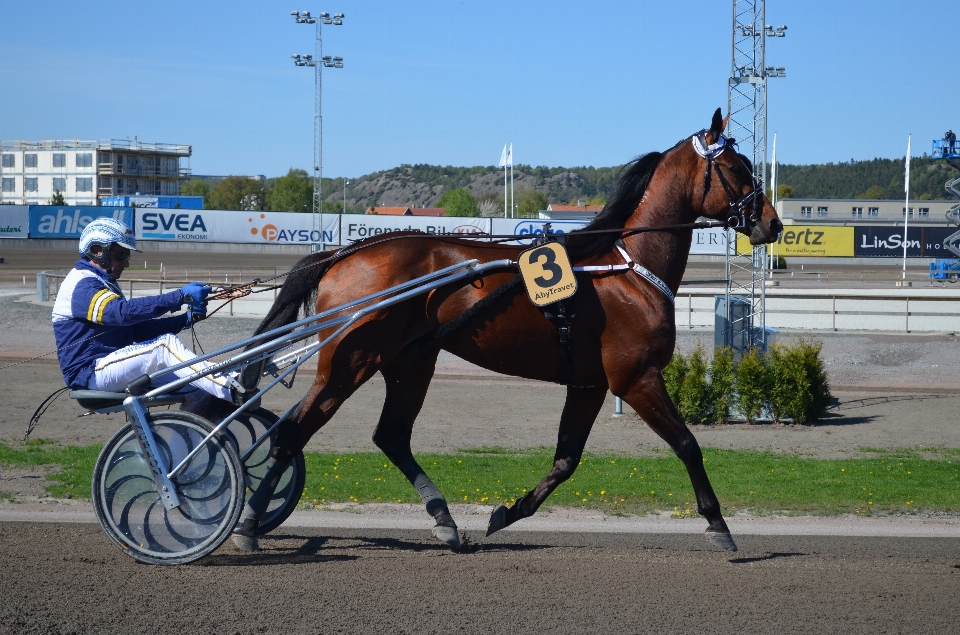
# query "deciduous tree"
(458, 202)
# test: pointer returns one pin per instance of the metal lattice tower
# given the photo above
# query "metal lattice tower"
(747, 108)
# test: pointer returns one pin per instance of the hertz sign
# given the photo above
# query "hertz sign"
(808, 240)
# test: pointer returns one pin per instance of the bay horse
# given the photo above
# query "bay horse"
(621, 337)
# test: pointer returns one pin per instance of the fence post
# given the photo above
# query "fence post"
(618, 407)
(834, 311)
(907, 316)
(43, 292)
(690, 311)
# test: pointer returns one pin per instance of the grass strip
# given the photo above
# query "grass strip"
(76, 464)
(745, 480)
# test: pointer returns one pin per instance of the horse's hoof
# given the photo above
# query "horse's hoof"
(449, 535)
(722, 540)
(246, 543)
(498, 520)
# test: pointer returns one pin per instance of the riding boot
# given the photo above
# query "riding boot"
(245, 535)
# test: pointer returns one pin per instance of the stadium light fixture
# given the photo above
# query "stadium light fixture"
(319, 61)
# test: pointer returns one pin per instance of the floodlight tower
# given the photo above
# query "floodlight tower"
(747, 108)
(318, 62)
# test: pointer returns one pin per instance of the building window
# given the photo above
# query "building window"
(84, 159)
(29, 160)
(8, 161)
(924, 211)
(873, 211)
(806, 211)
(821, 211)
(30, 184)
(9, 185)
(59, 183)
(904, 211)
(59, 160)
(857, 212)
(85, 183)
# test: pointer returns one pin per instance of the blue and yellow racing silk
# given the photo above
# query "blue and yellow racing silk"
(92, 318)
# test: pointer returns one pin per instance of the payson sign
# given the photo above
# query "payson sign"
(235, 226)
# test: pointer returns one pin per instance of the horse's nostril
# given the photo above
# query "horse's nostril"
(776, 225)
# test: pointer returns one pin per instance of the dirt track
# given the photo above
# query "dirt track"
(898, 391)
(70, 579)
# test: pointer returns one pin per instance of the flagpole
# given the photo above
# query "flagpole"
(513, 202)
(773, 199)
(505, 181)
(906, 215)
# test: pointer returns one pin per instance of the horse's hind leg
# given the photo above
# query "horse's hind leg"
(579, 413)
(648, 396)
(408, 377)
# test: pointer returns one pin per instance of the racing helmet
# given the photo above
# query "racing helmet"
(105, 232)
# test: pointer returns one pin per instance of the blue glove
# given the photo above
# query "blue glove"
(194, 295)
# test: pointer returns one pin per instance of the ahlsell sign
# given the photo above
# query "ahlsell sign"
(54, 221)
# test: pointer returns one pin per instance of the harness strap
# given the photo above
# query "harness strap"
(638, 269)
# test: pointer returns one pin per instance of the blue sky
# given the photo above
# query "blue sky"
(570, 83)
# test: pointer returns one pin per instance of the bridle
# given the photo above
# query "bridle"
(737, 216)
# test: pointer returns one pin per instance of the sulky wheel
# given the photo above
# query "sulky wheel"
(247, 428)
(210, 489)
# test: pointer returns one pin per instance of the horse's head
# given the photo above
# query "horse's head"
(728, 190)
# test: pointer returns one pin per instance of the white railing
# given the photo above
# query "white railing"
(914, 310)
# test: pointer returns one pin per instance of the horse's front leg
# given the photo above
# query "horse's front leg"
(579, 413)
(648, 396)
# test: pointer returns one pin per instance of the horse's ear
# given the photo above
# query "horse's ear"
(716, 126)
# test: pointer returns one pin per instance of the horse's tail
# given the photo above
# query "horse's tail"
(299, 291)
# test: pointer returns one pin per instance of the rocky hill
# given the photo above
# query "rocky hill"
(423, 185)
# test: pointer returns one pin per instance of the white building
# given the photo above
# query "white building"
(853, 211)
(86, 171)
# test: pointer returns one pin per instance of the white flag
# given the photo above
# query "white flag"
(510, 155)
(503, 157)
(906, 176)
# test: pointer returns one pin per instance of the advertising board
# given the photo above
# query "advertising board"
(887, 242)
(532, 227)
(221, 226)
(14, 221)
(55, 221)
(712, 241)
(359, 226)
(932, 244)
(165, 202)
(808, 240)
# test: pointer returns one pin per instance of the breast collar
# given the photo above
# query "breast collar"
(638, 269)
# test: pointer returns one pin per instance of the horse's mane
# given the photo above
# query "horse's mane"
(624, 200)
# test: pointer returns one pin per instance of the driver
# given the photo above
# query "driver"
(104, 340)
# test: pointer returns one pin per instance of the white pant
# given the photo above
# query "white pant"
(119, 368)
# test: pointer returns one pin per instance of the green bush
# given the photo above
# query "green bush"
(694, 404)
(721, 383)
(751, 384)
(673, 376)
(787, 382)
